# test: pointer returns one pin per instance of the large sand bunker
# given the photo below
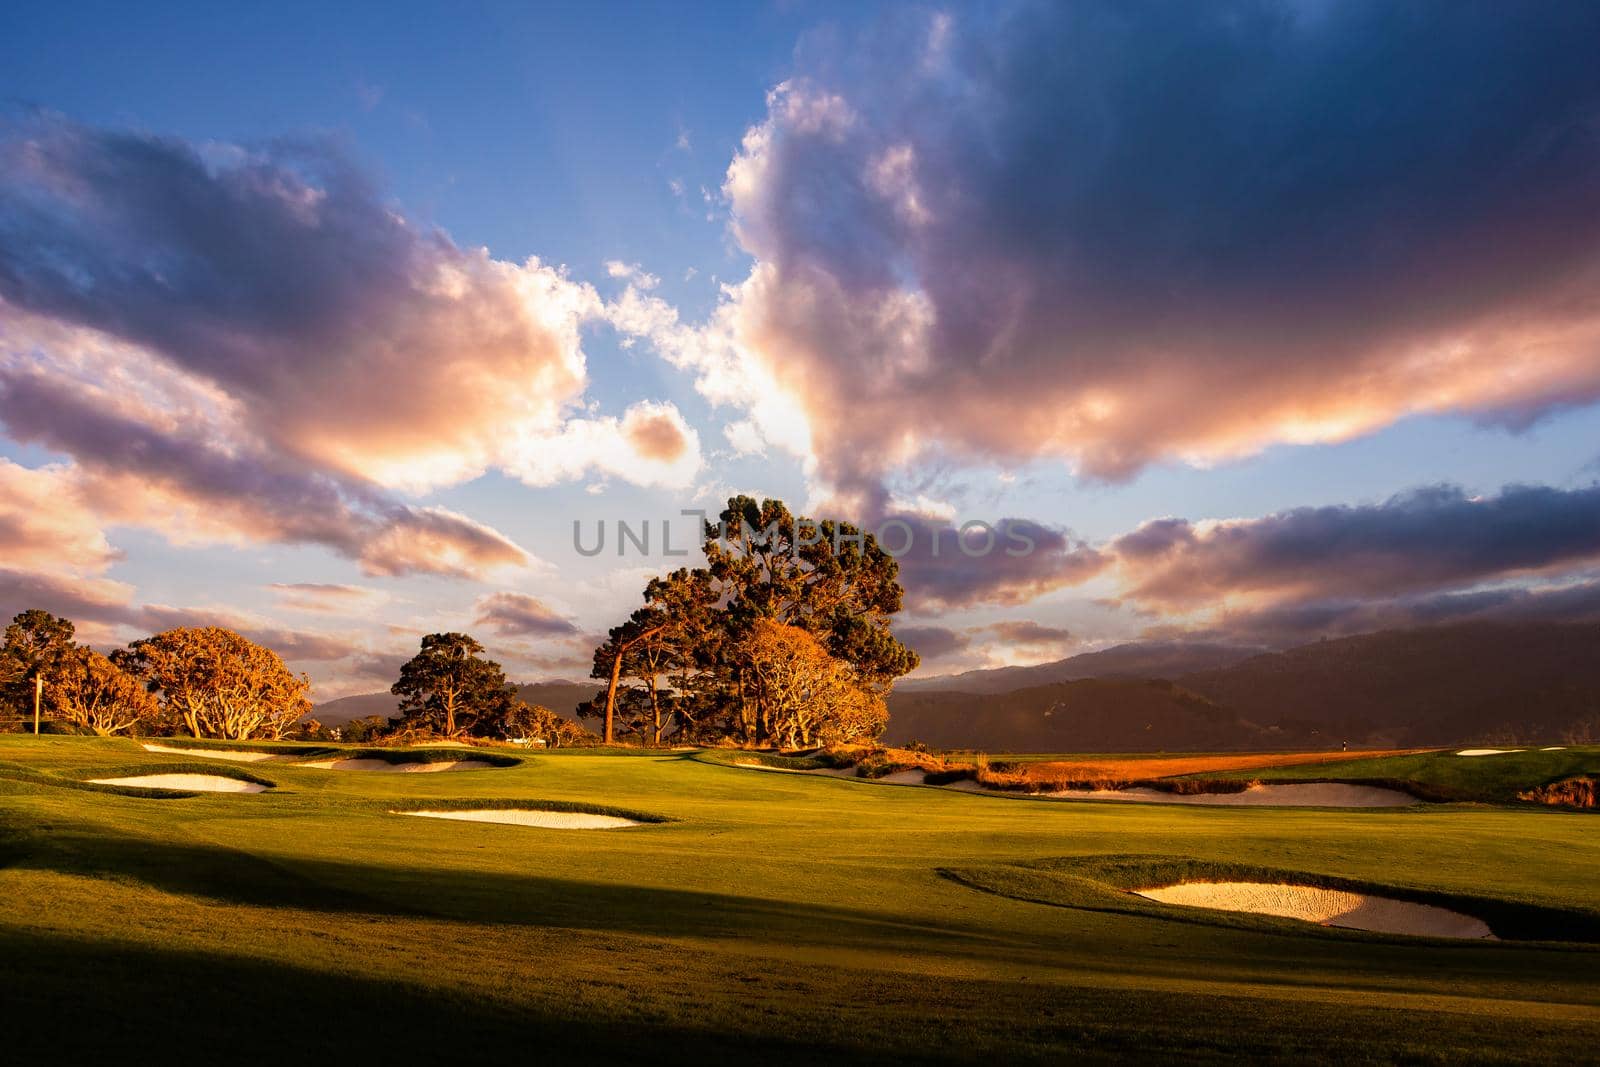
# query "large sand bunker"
(194, 783)
(410, 767)
(1487, 751)
(1327, 907)
(234, 755)
(549, 820)
(1300, 795)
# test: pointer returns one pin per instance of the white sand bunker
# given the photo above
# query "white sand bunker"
(1554, 748)
(195, 783)
(234, 756)
(413, 767)
(1303, 795)
(1327, 907)
(550, 820)
(1487, 751)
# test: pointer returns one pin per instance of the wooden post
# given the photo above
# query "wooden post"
(38, 694)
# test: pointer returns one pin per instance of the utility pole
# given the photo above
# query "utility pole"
(38, 694)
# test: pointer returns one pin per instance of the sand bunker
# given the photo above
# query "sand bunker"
(1487, 751)
(196, 783)
(1554, 748)
(413, 767)
(550, 820)
(214, 753)
(1305, 795)
(1327, 907)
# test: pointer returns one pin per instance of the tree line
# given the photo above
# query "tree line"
(210, 682)
(782, 639)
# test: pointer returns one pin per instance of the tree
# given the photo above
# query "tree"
(218, 683)
(805, 697)
(35, 643)
(764, 565)
(364, 730)
(524, 721)
(89, 690)
(826, 577)
(447, 687)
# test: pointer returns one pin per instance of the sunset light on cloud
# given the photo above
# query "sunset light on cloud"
(1273, 345)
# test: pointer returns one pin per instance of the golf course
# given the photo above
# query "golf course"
(674, 906)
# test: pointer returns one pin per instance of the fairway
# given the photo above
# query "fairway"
(797, 917)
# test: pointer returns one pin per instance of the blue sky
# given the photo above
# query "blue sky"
(601, 135)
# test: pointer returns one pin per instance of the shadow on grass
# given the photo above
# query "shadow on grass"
(72, 1001)
(232, 876)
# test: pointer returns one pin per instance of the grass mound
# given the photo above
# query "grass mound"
(82, 778)
(733, 757)
(1108, 883)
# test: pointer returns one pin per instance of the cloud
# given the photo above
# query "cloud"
(650, 445)
(1570, 600)
(99, 601)
(521, 615)
(247, 344)
(46, 524)
(292, 644)
(1027, 632)
(1115, 235)
(279, 275)
(933, 642)
(187, 478)
(326, 597)
(1428, 540)
(1006, 562)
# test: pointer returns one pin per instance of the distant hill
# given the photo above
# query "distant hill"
(1088, 715)
(560, 697)
(338, 712)
(1431, 686)
(1147, 659)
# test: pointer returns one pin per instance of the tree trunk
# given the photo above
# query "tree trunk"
(655, 713)
(611, 695)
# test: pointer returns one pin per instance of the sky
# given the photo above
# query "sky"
(1252, 322)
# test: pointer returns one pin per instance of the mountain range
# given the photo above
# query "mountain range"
(1442, 685)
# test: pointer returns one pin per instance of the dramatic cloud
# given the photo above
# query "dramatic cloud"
(187, 480)
(1115, 234)
(1007, 562)
(349, 337)
(1429, 540)
(248, 345)
(520, 615)
(1575, 600)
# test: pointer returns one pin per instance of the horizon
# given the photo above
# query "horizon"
(337, 338)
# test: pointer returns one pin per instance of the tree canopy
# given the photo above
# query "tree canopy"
(685, 664)
(450, 688)
(218, 683)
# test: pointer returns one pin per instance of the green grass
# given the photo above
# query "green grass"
(793, 918)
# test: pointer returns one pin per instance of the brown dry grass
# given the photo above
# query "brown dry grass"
(1115, 773)
(1571, 793)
